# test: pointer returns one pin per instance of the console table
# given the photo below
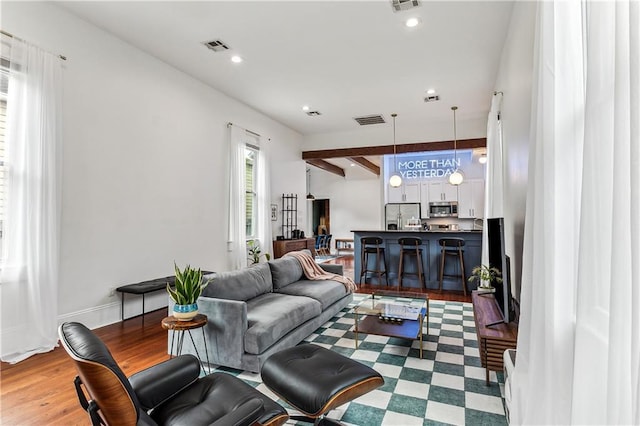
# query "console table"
(494, 340)
(281, 247)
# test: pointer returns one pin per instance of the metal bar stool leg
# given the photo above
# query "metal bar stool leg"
(386, 270)
(442, 255)
(363, 264)
(400, 269)
(464, 277)
(419, 264)
(378, 265)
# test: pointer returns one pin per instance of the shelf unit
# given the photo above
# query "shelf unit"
(289, 215)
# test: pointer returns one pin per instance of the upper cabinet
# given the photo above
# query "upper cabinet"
(405, 193)
(442, 191)
(471, 199)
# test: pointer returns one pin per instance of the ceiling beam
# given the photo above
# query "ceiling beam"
(326, 166)
(366, 164)
(388, 149)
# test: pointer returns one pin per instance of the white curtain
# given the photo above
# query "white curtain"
(578, 344)
(236, 241)
(237, 245)
(263, 189)
(494, 181)
(29, 273)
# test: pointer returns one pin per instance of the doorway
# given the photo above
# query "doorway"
(321, 217)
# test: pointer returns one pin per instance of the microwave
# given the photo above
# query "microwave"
(443, 209)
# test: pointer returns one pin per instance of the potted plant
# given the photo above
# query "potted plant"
(188, 287)
(255, 252)
(486, 275)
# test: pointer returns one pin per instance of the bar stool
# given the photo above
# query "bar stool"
(452, 247)
(372, 246)
(410, 246)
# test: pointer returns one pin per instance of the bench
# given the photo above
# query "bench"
(144, 287)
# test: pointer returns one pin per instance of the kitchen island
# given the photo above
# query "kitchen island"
(430, 258)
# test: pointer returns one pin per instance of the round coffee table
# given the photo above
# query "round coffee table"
(177, 326)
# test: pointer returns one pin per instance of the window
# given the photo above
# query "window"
(251, 178)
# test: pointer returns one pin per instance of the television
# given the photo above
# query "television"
(499, 260)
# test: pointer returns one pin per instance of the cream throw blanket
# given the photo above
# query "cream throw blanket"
(315, 273)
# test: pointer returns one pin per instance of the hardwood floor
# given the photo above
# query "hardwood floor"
(40, 389)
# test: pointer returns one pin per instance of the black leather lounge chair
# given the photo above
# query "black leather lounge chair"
(169, 393)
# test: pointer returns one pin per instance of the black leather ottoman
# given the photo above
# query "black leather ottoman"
(316, 380)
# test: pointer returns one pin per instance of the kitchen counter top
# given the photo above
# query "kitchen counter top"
(400, 231)
(430, 252)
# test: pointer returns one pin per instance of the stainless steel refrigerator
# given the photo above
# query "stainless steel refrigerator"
(397, 214)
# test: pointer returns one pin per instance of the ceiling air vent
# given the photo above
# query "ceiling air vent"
(216, 45)
(370, 119)
(432, 98)
(399, 5)
(313, 113)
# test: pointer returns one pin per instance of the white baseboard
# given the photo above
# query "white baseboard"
(97, 316)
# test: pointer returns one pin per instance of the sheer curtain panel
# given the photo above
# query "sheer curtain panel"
(494, 174)
(29, 276)
(578, 345)
(237, 234)
(263, 189)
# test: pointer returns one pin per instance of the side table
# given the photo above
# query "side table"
(176, 326)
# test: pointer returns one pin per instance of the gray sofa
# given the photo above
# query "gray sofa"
(257, 311)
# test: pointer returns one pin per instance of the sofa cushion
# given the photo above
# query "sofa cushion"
(271, 316)
(327, 292)
(285, 271)
(243, 284)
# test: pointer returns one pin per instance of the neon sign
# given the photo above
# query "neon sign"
(429, 165)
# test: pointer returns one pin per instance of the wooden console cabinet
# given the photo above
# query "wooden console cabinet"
(494, 340)
(281, 247)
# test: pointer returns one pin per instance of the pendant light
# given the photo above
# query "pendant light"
(456, 177)
(395, 180)
(309, 194)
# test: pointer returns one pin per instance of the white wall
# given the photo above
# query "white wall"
(355, 203)
(144, 173)
(515, 80)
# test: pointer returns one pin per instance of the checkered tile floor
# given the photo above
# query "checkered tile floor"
(447, 386)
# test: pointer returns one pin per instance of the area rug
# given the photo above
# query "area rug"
(447, 386)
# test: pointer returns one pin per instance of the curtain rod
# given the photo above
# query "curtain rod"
(64, 58)
(229, 124)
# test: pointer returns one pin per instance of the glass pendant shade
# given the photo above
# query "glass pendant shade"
(309, 194)
(395, 180)
(456, 178)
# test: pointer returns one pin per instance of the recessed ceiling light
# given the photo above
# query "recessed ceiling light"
(431, 92)
(482, 159)
(412, 22)
(236, 59)
(305, 108)
(352, 164)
